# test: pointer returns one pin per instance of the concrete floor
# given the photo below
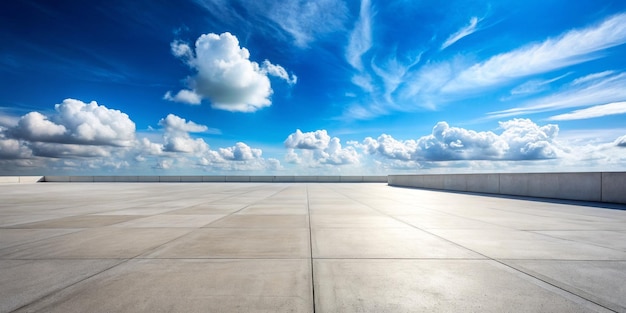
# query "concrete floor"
(280, 247)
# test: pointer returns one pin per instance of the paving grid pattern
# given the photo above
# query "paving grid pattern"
(280, 247)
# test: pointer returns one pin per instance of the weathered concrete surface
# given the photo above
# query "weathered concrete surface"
(597, 186)
(300, 247)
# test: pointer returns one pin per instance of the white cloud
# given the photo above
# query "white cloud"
(240, 152)
(361, 37)
(461, 33)
(184, 96)
(336, 155)
(535, 86)
(13, 149)
(173, 123)
(280, 72)
(273, 164)
(573, 47)
(306, 21)
(592, 112)
(76, 122)
(592, 77)
(65, 151)
(588, 91)
(318, 148)
(521, 139)
(183, 143)
(37, 127)
(318, 139)
(225, 75)
(146, 146)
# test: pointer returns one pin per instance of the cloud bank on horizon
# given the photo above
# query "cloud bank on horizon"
(322, 87)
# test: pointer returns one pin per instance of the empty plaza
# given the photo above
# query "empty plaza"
(303, 247)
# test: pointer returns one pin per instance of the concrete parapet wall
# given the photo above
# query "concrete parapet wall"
(20, 179)
(600, 187)
(197, 179)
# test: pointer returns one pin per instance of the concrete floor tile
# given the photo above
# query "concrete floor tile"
(603, 238)
(238, 243)
(431, 286)
(138, 211)
(274, 210)
(171, 220)
(80, 221)
(600, 281)
(190, 286)
(356, 221)
(444, 222)
(383, 243)
(209, 209)
(96, 243)
(24, 281)
(14, 237)
(515, 244)
(336, 209)
(26, 217)
(261, 221)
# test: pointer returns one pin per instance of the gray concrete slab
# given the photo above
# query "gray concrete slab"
(171, 221)
(238, 243)
(79, 221)
(14, 237)
(274, 210)
(261, 221)
(599, 281)
(189, 286)
(95, 243)
(384, 243)
(25, 281)
(283, 247)
(432, 286)
(515, 244)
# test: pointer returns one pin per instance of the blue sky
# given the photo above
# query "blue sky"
(202, 87)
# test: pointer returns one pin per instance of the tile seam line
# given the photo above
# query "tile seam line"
(308, 211)
(538, 232)
(565, 291)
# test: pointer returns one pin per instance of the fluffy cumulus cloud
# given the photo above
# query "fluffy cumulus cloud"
(240, 152)
(225, 74)
(318, 148)
(91, 139)
(181, 151)
(76, 122)
(520, 139)
(318, 139)
(177, 138)
(13, 149)
(173, 123)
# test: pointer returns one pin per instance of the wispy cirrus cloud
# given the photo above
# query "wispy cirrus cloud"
(592, 112)
(307, 21)
(360, 37)
(430, 83)
(296, 21)
(461, 33)
(573, 47)
(589, 90)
